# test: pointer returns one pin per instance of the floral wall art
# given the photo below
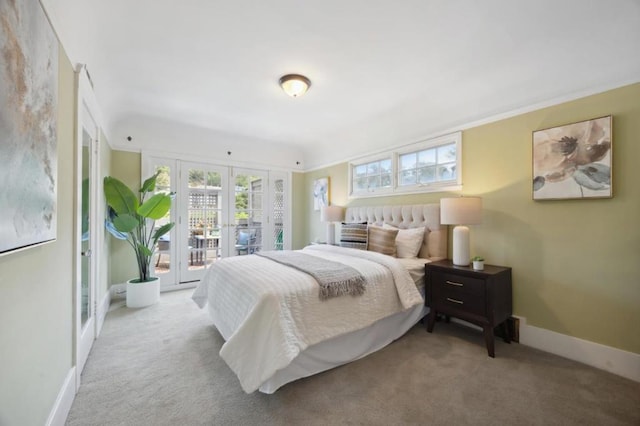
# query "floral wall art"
(28, 128)
(320, 193)
(573, 161)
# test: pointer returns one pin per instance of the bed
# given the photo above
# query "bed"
(278, 330)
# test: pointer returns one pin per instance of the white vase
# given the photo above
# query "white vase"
(143, 294)
(478, 265)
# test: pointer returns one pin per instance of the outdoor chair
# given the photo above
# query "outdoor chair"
(245, 243)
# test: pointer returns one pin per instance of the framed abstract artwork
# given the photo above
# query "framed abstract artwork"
(320, 193)
(573, 161)
(28, 127)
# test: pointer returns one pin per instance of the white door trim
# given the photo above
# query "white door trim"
(87, 117)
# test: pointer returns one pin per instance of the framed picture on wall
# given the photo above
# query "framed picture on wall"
(320, 193)
(28, 127)
(573, 161)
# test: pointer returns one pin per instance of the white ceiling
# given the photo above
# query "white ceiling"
(384, 73)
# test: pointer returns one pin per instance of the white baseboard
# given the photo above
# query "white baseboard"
(101, 311)
(62, 406)
(177, 287)
(613, 360)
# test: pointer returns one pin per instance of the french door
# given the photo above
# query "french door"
(86, 235)
(220, 211)
(203, 218)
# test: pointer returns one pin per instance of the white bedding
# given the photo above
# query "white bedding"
(272, 313)
(415, 266)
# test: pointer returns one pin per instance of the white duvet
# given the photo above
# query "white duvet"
(268, 313)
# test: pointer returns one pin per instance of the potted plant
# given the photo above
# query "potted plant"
(133, 218)
(478, 263)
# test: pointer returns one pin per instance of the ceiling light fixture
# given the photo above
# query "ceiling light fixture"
(294, 85)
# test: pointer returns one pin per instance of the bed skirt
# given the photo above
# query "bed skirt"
(346, 348)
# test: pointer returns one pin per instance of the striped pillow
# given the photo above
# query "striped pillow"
(408, 241)
(354, 235)
(382, 240)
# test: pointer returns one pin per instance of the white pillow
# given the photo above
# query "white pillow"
(408, 241)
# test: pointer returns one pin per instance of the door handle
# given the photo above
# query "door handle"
(86, 253)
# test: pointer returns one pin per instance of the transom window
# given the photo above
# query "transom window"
(427, 166)
(431, 165)
(373, 175)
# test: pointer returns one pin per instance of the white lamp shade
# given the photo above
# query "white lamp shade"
(461, 211)
(331, 214)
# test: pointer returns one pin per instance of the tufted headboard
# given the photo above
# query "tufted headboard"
(434, 244)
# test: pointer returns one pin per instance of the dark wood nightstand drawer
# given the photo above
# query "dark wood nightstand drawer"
(461, 284)
(458, 299)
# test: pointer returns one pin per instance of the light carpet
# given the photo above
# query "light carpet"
(160, 366)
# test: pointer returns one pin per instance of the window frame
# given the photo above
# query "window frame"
(394, 156)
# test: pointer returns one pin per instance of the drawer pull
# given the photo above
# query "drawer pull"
(460, 302)
(455, 283)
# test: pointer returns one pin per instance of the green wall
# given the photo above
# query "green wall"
(300, 212)
(126, 167)
(575, 262)
(36, 294)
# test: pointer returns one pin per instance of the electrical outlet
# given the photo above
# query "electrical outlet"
(513, 328)
(118, 291)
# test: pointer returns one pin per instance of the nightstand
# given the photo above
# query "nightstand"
(479, 297)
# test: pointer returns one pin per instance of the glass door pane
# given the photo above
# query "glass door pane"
(203, 220)
(248, 210)
(164, 260)
(277, 213)
(85, 243)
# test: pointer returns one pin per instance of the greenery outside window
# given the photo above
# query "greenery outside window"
(427, 166)
(373, 175)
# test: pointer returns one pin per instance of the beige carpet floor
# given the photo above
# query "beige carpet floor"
(160, 366)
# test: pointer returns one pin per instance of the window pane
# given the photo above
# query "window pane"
(214, 179)
(427, 174)
(360, 184)
(427, 157)
(163, 182)
(385, 180)
(196, 178)
(408, 161)
(360, 170)
(408, 177)
(374, 181)
(447, 153)
(385, 166)
(447, 171)
(211, 199)
(278, 202)
(373, 168)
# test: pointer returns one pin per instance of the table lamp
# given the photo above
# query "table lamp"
(331, 214)
(461, 211)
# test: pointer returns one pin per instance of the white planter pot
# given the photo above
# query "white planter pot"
(478, 265)
(144, 294)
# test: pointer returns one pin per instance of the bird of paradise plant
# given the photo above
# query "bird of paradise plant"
(134, 219)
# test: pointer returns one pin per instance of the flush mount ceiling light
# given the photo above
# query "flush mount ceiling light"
(294, 85)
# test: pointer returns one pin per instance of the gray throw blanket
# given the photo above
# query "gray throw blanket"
(334, 278)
